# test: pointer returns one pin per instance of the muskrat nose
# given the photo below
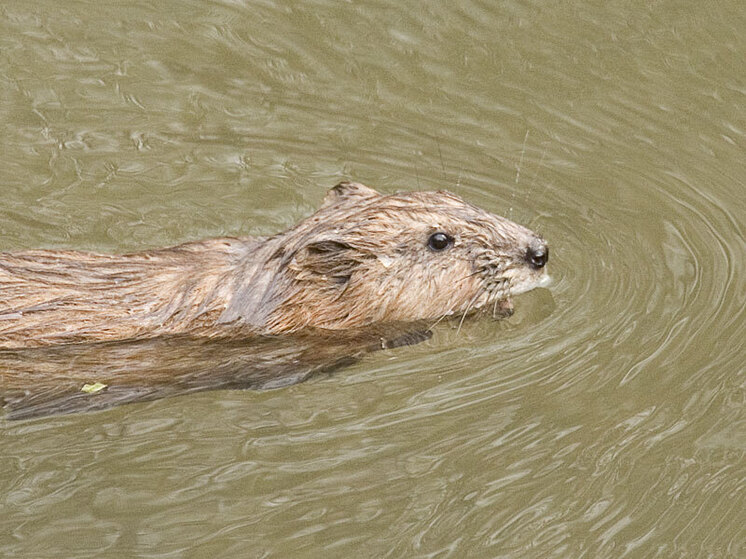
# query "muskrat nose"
(537, 254)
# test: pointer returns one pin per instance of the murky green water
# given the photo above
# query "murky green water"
(606, 418)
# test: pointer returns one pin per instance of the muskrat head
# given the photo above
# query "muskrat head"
(364, 257)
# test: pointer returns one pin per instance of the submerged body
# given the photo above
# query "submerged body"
(363, 258)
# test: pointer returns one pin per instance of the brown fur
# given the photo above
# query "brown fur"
(361, 259)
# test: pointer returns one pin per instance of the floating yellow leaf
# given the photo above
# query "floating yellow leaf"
(93, 388)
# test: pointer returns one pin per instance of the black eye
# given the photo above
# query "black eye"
(439, 241)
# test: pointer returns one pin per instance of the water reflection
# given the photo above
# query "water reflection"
(48, 381)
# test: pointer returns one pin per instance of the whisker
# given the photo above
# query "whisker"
(450, 310)
(442, 165)
(444, 315)
(468, 307)
(434, 324)
(467, 276)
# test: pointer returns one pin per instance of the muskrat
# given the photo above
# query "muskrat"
(363, 258)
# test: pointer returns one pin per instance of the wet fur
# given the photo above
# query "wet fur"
(51, 297)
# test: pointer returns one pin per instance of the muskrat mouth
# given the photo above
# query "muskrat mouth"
(542, 281)
(496, 295)
(495, 299)
(497, 308)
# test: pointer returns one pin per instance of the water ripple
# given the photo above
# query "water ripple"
(604, 419)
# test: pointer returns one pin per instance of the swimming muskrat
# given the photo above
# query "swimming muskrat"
(363, 258)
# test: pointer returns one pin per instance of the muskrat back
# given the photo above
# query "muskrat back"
(363, 258)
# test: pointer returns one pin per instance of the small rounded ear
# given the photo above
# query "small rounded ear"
(348, 191)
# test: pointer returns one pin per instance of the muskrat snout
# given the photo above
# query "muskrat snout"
(537, 254)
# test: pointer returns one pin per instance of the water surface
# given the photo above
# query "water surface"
(606, 418)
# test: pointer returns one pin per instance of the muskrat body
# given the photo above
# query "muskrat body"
(363, 258)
